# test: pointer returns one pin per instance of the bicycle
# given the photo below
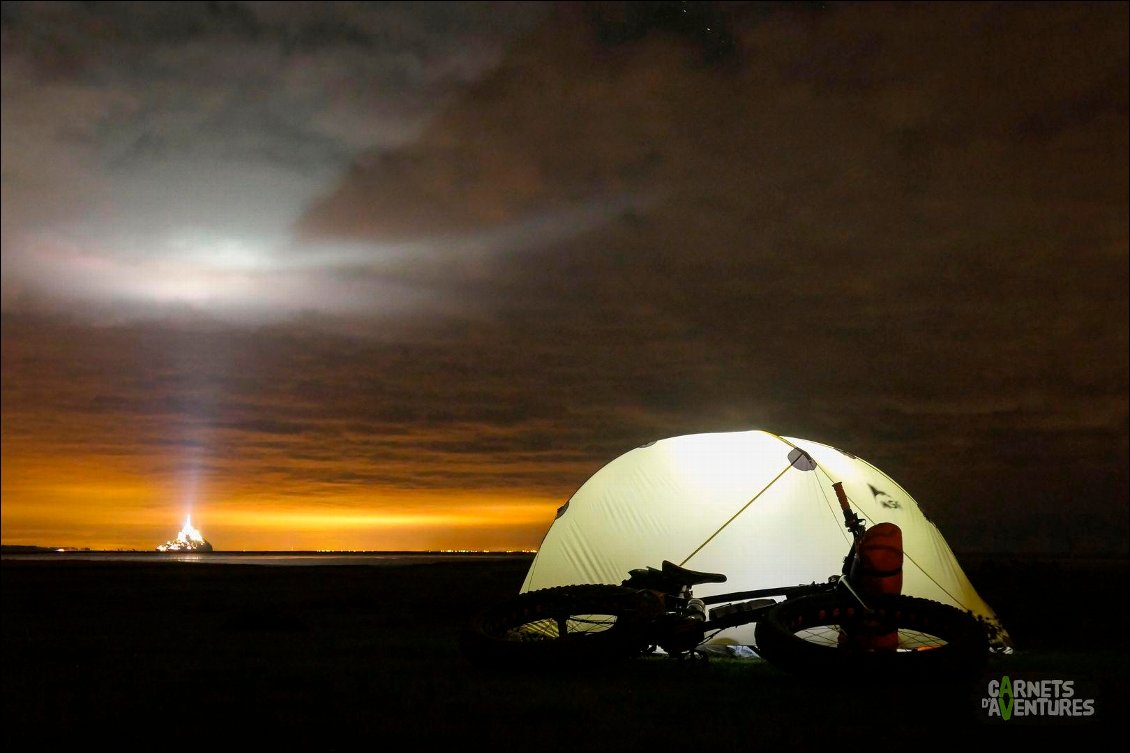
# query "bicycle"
(844, 624)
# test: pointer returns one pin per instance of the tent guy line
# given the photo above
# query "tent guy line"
(764, 489)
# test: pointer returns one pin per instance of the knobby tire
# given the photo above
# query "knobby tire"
(802, 636)
(562, 625)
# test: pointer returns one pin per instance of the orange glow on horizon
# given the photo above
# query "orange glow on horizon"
(97, 506)
(78, 478)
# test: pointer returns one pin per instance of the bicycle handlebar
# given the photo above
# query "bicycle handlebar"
(853, 522)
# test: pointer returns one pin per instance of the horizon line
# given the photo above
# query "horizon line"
(67, 549)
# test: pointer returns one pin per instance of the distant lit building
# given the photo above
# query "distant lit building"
(188, 540)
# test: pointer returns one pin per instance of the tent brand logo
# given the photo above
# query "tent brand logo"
(1008, 699)
(886, 500)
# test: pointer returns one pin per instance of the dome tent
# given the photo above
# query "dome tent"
(753, 505)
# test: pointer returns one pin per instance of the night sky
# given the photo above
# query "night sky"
(350, 276)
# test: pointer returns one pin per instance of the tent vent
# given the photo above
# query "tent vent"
(801, 460)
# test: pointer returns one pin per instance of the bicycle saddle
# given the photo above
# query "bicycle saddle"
(683, 576)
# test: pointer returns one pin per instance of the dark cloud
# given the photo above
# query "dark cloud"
(898, 230)
(903, 232)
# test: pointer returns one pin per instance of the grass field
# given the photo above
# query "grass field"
(174, 656)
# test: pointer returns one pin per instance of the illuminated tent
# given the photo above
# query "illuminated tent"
(753, 505)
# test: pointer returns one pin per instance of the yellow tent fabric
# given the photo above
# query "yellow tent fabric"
(754, 505)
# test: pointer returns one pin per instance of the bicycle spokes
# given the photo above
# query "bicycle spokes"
(839, 636)
(562, 626)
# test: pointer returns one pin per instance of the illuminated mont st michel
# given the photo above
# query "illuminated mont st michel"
(189, 539)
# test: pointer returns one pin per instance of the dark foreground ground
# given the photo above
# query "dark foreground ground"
(190, 656)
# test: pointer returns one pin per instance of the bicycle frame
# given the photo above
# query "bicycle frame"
(686, 615)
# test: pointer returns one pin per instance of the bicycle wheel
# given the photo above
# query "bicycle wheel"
(813, 634)
(563, 624)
